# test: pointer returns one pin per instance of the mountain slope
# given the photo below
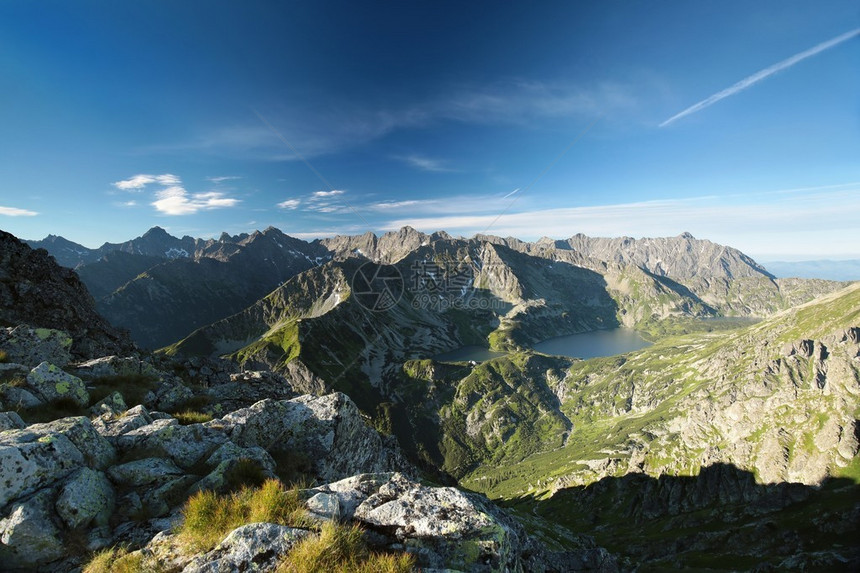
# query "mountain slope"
(171, 299)
(35, 290)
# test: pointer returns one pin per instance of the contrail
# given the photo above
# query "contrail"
(511, 193)
(759, 76)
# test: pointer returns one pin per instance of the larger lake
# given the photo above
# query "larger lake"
(593, 344)
(583, 345)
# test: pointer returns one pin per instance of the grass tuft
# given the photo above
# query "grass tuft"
(117, 560)
(341, 548)
(209, 517)
(188, 417)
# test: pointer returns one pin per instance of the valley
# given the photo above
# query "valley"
(718, 385)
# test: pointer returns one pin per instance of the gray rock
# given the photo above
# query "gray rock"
(185, 445)
(51, 383)
(226, 458)
(31, 346)
(324, 506)
(159, 501)
(15, 397)
(328, 430)
(97, 451)
(112, 404)
(30, 461)
(445, 527)
(11, 421)
(115, 366)
(254, 547)
(352, 491)
(86, 497)
(143, 472)
(169, 395)
(28, 536)
(132, 419)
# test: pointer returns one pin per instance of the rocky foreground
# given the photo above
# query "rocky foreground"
(119, 476)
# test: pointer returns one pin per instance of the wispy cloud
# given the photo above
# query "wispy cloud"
(425, 163)
(761, 75)
(289, 204)
(762, 224)
(332, 124)
(221, 179)
(15, 212)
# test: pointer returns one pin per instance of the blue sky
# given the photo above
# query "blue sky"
(337, 117)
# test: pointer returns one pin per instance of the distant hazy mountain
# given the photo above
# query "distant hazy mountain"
(845, 270)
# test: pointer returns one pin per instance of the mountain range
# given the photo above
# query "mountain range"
(726, 444)
(161, 288)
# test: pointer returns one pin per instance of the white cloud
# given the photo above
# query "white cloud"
(173, 198)
(15, 212)
(323, 194)
(139, 182)
(135, 183)
(221, 179)
(425, 163)
(290, 204)
(760, 75)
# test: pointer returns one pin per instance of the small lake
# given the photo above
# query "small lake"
(583, 345)
(467, 353)
(594, 344)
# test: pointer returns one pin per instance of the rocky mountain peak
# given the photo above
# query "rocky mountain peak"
(35, 290)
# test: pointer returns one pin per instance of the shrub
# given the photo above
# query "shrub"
(341, 548)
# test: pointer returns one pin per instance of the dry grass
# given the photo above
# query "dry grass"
(209, 517)
(118, 560)
(188, 417)
(341, 549)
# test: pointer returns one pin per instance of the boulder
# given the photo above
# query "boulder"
(109, 366)
(15, 397)
(28, 536)
(445, 527)
(112, 404)
(185, 445)
(170, 395)
(51, 383)
(86, 497)
(257, 547)
(143, 472)
(32, 346)
(112, 427)
(328, 430)
(11, 421)
(30, 462)
(98, 453)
